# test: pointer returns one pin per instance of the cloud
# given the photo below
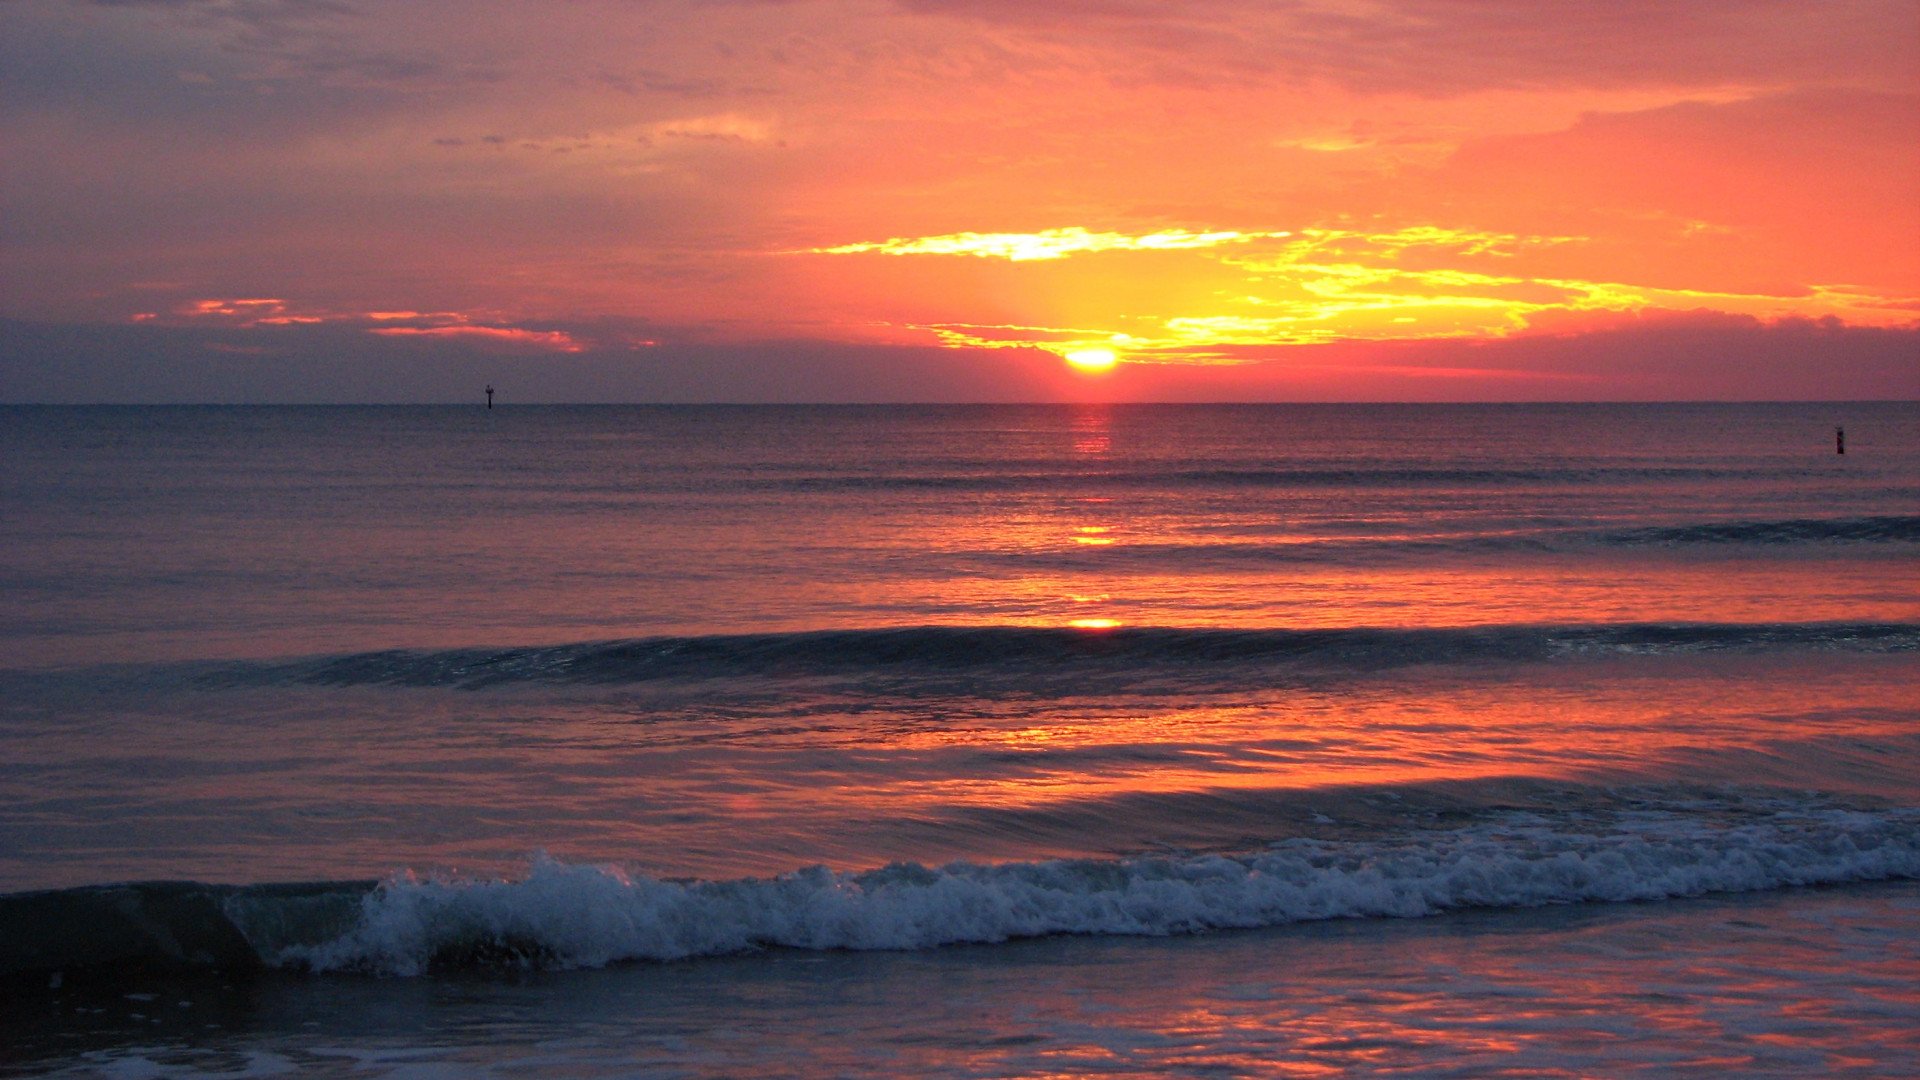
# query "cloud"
(45, 362)
(1816, 186)
(1319, 285)
(1461, 46)
(1657, 356)
(557, 340)
(1178, 181)
(323, 40)
(1047, 244)
(249, 314)
(1651, 356)
(728, 127)
(250, 309)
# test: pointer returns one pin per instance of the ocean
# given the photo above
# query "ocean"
(960, 741)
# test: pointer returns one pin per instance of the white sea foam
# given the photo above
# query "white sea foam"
(587, 916)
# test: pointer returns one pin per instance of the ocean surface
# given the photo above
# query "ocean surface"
(972, 741)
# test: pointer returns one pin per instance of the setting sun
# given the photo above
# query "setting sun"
(1092, 359)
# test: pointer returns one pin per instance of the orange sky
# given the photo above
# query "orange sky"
(1279, 188)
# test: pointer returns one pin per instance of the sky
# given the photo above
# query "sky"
(851, 200)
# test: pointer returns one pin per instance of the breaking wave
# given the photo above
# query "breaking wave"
(563, 915)
(575, 916)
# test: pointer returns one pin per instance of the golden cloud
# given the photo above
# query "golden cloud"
(1048, 244)
(1320, 285)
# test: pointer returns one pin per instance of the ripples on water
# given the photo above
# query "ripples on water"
(891, 678)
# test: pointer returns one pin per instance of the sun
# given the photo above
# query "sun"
(1092, 359)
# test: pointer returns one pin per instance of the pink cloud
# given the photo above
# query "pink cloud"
(233, 308)
(556, 340)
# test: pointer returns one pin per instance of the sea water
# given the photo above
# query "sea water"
(970, 741)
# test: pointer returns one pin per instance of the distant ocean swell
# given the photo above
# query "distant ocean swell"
(1007, 651)
(1036, 475)
(1885, 529)
(1810, 534)
(564, 916)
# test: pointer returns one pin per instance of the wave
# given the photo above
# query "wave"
(563, 915)
(1869, 530)
(1043, 475)
(171, 925)
(1056, 652)
(1029, 475)
(1352, 550)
